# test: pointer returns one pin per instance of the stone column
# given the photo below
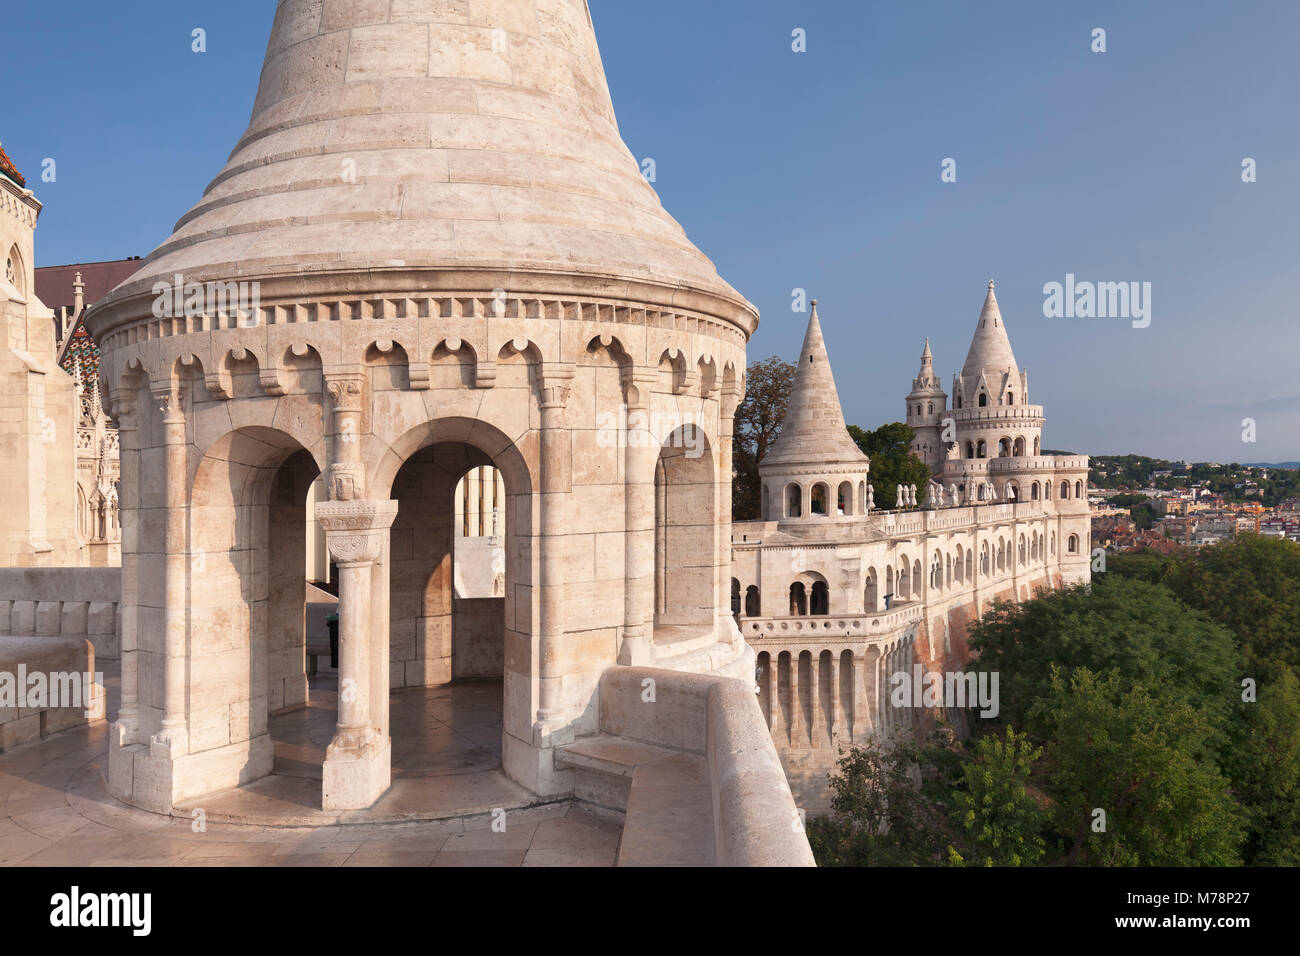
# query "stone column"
(729, 399)
(861, 722)
(640, 456)
(172, 738)
(556, 481)
(357, 767)
(796, 704)
(126, 414)
(474, 508)
(778, 723)
(837, 708)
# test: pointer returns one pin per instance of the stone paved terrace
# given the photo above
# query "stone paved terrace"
(55, 811)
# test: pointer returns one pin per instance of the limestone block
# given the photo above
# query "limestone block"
(48, 618)
(75, 618)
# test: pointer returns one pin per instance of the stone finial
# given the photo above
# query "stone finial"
(78, 296)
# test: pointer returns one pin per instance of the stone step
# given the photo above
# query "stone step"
(603, 767)
(669, 820)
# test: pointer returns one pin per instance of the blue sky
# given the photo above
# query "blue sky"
(821, 171)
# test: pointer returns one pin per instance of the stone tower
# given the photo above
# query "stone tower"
(991, 397)
(430, 252)
(814, 471)
(38, 402)
(926, 407)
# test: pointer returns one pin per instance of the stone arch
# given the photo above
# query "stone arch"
(673, 371)
(1018, 449)
(735, 597)
(819, 598)
(388, 366)
(970, 565)
(1004, 447)
(244, 564)
(685, 530)
(819, 500)
(844, 499)
(16, 270)
(871, 592)
(1034, 491)
(453, 363)
(1065, 490)
(981, 449)
(793, 500)
(753, 602)
(1078, 489)
(798, 599)
(1072, 544)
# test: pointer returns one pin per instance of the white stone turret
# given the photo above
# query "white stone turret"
(927, 405)
(814, 470)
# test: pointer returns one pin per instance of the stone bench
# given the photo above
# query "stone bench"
(67, 666)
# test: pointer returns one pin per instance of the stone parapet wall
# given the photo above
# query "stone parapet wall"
(63, 602)
(755, 820)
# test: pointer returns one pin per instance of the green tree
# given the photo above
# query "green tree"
(879, 815)
(1002, 822)
(1146, 761)
(1264, 766)
(1138, 629)
(758, 423)
(892, 463)
(1251, 585)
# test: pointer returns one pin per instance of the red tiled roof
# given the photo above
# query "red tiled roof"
(9, 169)
(54, 283)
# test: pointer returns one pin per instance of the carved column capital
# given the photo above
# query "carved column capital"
(355, 531)
(170, 401)
(637, 383)
(557, 381)
(346, 391)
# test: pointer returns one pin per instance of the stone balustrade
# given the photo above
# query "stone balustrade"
(755, 820)
(63, 602)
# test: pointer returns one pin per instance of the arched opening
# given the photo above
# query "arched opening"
(819, 601)
(753, 606)
(890, 590)
(1078, 489)
(735, 598)
(249, 602)
(1065, 490)
(871, 593)
(905, 580)
(1072, 544)
(1004, 447)
(1036, 447)
(970, 565)
(793, 501)
(684, 530)
(984, 400)
(817, 503)
(984, 559)
(1018, 450)
(970, 449)
(1011, 398)
(844, 502)
(798, 599)
(982, 449)
(1012, 491)
(1034, 491)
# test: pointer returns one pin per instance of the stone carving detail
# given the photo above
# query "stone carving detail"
(355, 531)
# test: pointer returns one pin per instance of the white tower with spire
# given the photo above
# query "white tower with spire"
(927, 404)
(814, 471)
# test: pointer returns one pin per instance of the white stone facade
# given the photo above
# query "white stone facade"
(835, 600)
(458, 265)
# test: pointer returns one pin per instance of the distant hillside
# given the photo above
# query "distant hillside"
(1289, 465)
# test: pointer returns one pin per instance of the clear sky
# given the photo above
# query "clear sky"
(821, 171)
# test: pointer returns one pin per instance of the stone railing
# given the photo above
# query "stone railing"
(63, 602)
(755, 820)
(833, 627)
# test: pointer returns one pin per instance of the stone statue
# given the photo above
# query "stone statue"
(871, 497)
(900, 499)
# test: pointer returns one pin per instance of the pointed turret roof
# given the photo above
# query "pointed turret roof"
(990, 349)
(440, 137)
(926, 382)
(814, 431)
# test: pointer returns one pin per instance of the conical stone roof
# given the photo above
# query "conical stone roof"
(814, 431)
(990, 349)
(435, 135)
